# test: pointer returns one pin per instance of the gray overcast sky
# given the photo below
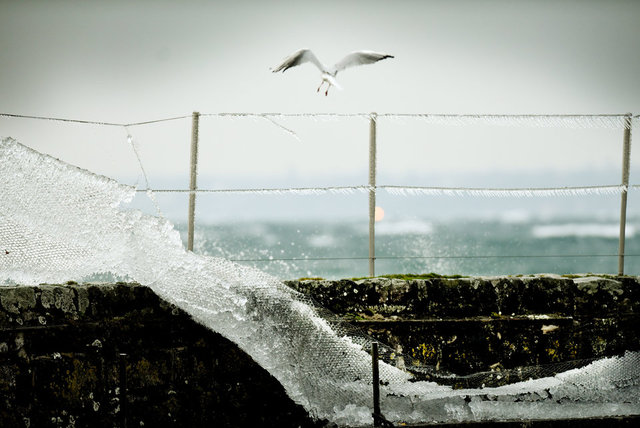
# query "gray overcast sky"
(133, 60)
(126, 61)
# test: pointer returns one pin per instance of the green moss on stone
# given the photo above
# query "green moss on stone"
(410, 276)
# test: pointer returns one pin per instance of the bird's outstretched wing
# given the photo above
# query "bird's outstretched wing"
(300, 57)
(360, 58)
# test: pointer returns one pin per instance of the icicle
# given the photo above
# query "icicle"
(284, 128)
(148, 190)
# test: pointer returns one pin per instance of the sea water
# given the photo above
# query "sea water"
(340, 249)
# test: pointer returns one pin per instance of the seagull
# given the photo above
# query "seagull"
(329, 73)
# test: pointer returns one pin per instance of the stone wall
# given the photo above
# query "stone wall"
(466, 325)
(111, 355)
(61, 364)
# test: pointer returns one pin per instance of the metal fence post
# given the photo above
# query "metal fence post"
(372, 194)
(124, 397)
(626, 154)
(376, 384)
(192, 181)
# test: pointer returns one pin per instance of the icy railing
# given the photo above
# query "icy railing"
(60, 223)
(566, 121)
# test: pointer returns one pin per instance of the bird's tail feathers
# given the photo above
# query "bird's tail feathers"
(334, 82)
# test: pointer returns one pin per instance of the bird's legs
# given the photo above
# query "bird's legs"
(328, 86)
(324, 79)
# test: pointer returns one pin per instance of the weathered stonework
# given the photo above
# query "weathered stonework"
(80, 355)
(61, 364)
(466, 325)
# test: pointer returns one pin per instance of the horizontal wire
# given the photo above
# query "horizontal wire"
(418, 115)
(423, 190)
(553, 120)
(296, 190)
(509, 256)
(531, 256)
(92, 122)
(593, 120)
(293, 115)
(148, 122)
(293, 259)
(505, 191)
(57, 119)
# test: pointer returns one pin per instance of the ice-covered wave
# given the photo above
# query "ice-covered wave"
(61, 223)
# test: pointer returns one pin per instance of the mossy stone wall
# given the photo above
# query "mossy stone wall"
(466, 325)
(116, 355)
(110, 355)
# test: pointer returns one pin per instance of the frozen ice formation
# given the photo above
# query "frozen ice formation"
(60, 223)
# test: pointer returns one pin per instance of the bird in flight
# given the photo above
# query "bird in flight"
(329, 73)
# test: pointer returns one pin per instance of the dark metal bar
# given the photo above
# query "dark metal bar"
(376, 385)
(123, 399)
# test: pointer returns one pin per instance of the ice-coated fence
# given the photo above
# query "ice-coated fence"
(623, 122)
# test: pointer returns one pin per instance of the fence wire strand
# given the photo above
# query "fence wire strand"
(571, 121)
(606, 121)
(453, 257)
(562, 121)
(538, 120)
(395, 190)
